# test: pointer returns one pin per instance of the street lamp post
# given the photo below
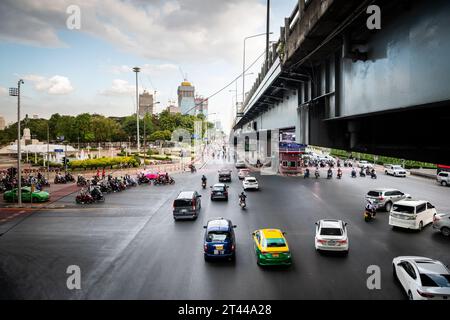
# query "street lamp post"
(48, 153)
(15, 92)
(137, 70)
(243, 64)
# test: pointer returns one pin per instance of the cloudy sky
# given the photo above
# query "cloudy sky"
(89, 70)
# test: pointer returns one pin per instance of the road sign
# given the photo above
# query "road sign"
(59, 150)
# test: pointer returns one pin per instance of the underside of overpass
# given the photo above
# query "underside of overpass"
(341, 85)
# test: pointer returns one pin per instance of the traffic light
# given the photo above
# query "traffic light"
(65, 160)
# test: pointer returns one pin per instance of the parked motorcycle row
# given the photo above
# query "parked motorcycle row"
(94, 189)
(9, 182)
(64, 178)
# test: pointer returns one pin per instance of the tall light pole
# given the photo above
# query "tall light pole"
(15, 92)
(137, 70)
(48, 152)
(243, 63)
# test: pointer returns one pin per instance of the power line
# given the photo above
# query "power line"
(229, 84)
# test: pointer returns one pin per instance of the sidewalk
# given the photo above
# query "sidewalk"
(424, 173)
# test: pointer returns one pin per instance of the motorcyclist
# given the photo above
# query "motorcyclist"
(242, 197)
(316, 173)
(204, 180)
(371, 208)
(353, 172)
(373, 173)
(329, 173)
(306, 173)
(339, 173)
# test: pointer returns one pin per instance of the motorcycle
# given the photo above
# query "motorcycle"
(69, 177)
(317, 174)
(81, 181)
(204, 184)
(60, 179)
(373, 175)
(353, 174)
(339, 175)
(97, 195)
(242, 203)
(329, 175)
(362, 174)
(84, 198)
(369, 215)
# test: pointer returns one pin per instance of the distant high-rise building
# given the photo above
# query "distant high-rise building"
(186, 100)
(201, 105)
(145, 103)
(2, 123)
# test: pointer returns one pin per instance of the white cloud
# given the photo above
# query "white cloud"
(181, 31)
(120, 88)
(3, 92)
(56, 85)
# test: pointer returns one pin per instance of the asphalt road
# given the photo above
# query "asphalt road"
(131, 248)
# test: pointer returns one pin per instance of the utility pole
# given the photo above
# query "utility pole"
(15, 92)
(137, 70)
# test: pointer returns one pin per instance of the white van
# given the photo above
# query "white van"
(411, 214)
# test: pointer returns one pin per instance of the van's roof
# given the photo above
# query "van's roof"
(186, 195)
(410, 203)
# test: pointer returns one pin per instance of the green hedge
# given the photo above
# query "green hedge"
(103, 162)
(409, 164)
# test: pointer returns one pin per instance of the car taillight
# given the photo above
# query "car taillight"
(342, 241)
(193, 204)
(380, 198)
(424, 294)
(322, 241)
(232, 247)
(205, 247)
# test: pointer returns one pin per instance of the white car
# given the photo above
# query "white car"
(364, 164)
(422, 278)
(250, 183)
(331, 235)
(395, 170)
(411, 214)
(243, 173)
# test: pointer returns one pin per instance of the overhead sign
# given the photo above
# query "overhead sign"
(59, 150)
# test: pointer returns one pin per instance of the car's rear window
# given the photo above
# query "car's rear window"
(182, 203)
(275, 242)
(251, 180)
(374, 193)
(217, 236)
(403, 209)
(435, 280)
(331, 232)
(218, 188)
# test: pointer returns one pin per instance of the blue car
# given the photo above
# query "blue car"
(220, 241)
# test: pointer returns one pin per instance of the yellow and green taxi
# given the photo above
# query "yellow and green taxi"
(27, 195)
(271, 247)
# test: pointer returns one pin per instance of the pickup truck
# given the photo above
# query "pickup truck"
(395, 170)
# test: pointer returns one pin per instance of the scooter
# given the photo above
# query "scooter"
(339, 175)
(369, 215)
(317, 174)
(204, 184)
(306, 175)
(329, 175)
(242, 203)
(353, 174)
(373, 175)
(362, 174)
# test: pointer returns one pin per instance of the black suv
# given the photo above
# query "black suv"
(224, 175)
(219, 191)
